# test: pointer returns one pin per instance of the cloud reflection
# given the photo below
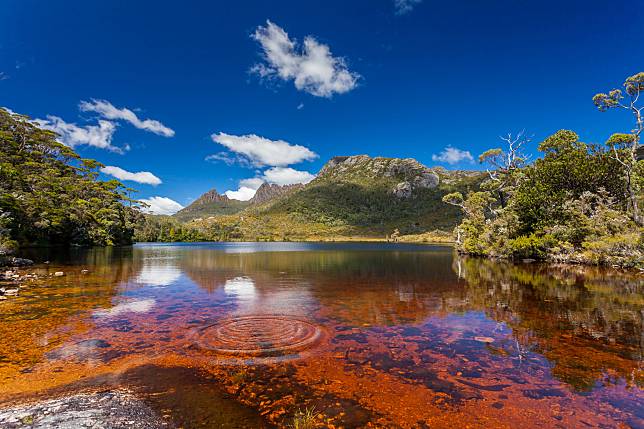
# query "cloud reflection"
(158, 275)
(241, 287)
(139, 306)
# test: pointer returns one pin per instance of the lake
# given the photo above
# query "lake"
(355, 334)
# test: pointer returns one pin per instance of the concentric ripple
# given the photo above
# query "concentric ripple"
(259, 336)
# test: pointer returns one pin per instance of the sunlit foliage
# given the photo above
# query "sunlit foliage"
(50, 195)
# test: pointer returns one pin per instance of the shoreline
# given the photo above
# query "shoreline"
(145, 395)
(117, 408)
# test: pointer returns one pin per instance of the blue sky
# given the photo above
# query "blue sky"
(201, 95)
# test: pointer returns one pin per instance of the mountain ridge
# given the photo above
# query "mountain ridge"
(269, 191)
(212, 203)
(354, 195)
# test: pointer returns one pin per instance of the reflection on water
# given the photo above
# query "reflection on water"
(368, 334)
(136, 306)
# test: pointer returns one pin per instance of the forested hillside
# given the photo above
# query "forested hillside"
(50, 195)
(356, 196)
(374, 196)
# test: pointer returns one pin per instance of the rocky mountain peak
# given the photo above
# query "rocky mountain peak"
(408, 173)
(269, 191)
(210, 197)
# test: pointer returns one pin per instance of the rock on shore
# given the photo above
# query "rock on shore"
(114, 409)
(12, 261)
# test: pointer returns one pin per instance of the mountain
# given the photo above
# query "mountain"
(354, 196)
(269, 191)
(365, 195)
(214, 204)
(210, 204)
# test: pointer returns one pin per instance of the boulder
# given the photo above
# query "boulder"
(403, 190)
(12, 261)
(426, 179)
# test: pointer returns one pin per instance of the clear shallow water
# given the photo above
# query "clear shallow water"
(383, 335)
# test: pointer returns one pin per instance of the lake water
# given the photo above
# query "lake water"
(358, 335)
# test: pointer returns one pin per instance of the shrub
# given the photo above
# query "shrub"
(623, 249)
(531, 246)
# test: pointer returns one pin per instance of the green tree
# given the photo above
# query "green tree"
(469, 232)
(52, 196)
(504, 166)
(568, 168)
(626, 146)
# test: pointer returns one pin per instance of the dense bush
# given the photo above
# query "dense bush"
(531, 246)
(578, 203)
(580, 217)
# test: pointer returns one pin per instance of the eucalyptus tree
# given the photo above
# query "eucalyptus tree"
(504, 165)
(625, 147)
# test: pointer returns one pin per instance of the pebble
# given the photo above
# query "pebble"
(84, 271)
(59, 274)
(484, 339)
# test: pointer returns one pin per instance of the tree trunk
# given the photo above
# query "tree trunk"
(634, 204)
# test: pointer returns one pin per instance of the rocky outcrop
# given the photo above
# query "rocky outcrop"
(403, 190)
(270, 191)
(112, 409)
(210, 204)
(408, 173)
(210, 197)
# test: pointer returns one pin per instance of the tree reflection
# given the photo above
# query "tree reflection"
(586, 321)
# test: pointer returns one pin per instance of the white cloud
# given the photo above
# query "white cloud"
(229, 159)
(452, 155)
(161, 206)
(261, 151)
(144, 177)
(108, 111)
(253, 182)
(405, 6)
(311, 67)
(300, 106)
(247, 189)
(287, 176)
(72, 135)
(244, 193)
(4, 76)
